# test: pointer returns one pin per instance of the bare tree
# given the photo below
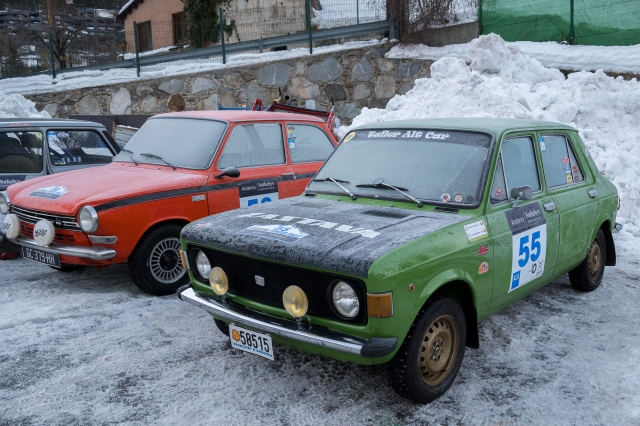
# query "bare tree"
(412, 16)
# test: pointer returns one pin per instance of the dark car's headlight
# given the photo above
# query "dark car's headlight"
(203, 266)
(88, 219)
(345, 299)
(5, 202)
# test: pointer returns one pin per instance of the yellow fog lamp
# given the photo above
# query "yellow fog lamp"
(218, 281)
(295, 301)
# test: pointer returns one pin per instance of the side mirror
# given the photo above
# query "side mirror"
(233, 172)
(521, 193)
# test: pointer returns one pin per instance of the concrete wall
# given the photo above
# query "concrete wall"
(437, 37)
(355, 79)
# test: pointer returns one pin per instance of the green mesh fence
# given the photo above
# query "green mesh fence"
(591, 22)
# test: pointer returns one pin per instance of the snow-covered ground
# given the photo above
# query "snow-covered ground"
(502, 81)
(88, 347)
(620, 59)
(17, 106)
(75, 80)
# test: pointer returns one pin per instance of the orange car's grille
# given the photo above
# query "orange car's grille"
(26, 229)
(32, 216)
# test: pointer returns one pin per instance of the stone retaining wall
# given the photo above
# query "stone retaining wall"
(353, 78)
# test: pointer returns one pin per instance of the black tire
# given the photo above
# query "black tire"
(154, 265)
(408, 373)
(587, 276)
(65, 267)
(222, 326)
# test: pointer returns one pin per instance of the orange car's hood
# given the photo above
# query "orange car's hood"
(65, 193)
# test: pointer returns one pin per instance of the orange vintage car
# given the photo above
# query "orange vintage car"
(178, 167)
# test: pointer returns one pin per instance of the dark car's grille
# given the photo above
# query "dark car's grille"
(241, 272)
(59, 221)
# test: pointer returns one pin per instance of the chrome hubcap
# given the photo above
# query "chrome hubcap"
(164, 261)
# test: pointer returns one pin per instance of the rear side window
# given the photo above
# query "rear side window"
(251, 145)
(308, 143)
(20, 152)
(77, 147)
(516, 167)
(560, 164)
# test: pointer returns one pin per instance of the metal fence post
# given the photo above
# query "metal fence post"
(135, 40)
(224, 54)
(260, 45)
(53, 59)
(358, 12)
(480, 27)
(571, 30)
(307, 5)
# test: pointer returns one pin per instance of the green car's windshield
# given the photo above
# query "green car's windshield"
(428, 165)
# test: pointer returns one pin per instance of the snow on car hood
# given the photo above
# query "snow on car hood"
(332, 235)
(65, 193)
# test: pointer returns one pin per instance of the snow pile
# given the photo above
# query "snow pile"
(503, 82)
(16, 106)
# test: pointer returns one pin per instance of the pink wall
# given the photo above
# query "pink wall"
(159, 12)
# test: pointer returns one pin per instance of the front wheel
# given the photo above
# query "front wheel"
(154, 265)
(428, 361)
(587, 276)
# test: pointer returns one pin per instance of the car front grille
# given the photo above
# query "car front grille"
(59, 221)
(26, 229)
(241, 272)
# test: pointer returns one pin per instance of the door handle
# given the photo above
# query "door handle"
(550, 206)
(289, 176)
(593, 193)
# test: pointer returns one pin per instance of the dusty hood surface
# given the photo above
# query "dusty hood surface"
(331, 235)
(65, 193)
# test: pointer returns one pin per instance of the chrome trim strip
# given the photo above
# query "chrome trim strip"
(98, 239)
(274, 325)
(93, 253)
(31, 216)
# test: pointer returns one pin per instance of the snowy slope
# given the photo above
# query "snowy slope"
(503, 82)
(16, 106)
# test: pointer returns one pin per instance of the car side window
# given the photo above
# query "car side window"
(308, 143)
(77, 147)
(560, 164)
(20, 152)
(253, 145)
(516, 167)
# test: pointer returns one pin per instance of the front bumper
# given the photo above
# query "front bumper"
(93, 253)
(372, 348)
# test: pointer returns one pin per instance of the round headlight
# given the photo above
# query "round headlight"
(4, 202)
(295, 301)
(218, 281)
(88, 219)
(345, 300)
(202, 264)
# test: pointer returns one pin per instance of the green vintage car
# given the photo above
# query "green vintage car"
(411, 234)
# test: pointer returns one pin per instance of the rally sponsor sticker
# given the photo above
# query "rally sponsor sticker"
(476, 231)
(445, 198)
(348, 137)
(529, 243)
(256, 192)
(483, 250)
(51, 192)
(285, 233)
(10, 180)
(483, 268)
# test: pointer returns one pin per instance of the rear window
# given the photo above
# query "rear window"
(20, 152)
(183, 142)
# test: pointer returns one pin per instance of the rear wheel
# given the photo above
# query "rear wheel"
(428, 361)
(155, 265)
(587, 276)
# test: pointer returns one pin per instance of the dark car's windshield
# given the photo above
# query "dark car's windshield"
(20, 152)
(183, 142)
(430, 165)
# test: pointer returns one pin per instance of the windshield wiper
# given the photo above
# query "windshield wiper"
(336, 181)
(130, 155)
(382, 185)
(159, 158)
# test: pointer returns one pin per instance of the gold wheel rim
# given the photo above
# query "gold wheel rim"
(438, 350)
(595, 259)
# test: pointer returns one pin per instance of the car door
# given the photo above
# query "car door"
(526, 236)
(574, 196)
(309, 146)
(257, 149)
(70, 149)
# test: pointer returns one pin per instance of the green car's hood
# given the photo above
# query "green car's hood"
(338, 236)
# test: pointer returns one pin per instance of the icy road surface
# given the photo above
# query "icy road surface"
(89, 348)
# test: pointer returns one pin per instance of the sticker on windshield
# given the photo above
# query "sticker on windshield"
(542, 145)
(476, 231)
(529, 243)
(445, 198)
(457, 198)
(499, 194)
(51, 192)
(348, 137)
(256, 192)
(285, 233)
(292, 144)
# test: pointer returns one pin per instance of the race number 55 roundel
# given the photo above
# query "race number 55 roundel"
(529, 244)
